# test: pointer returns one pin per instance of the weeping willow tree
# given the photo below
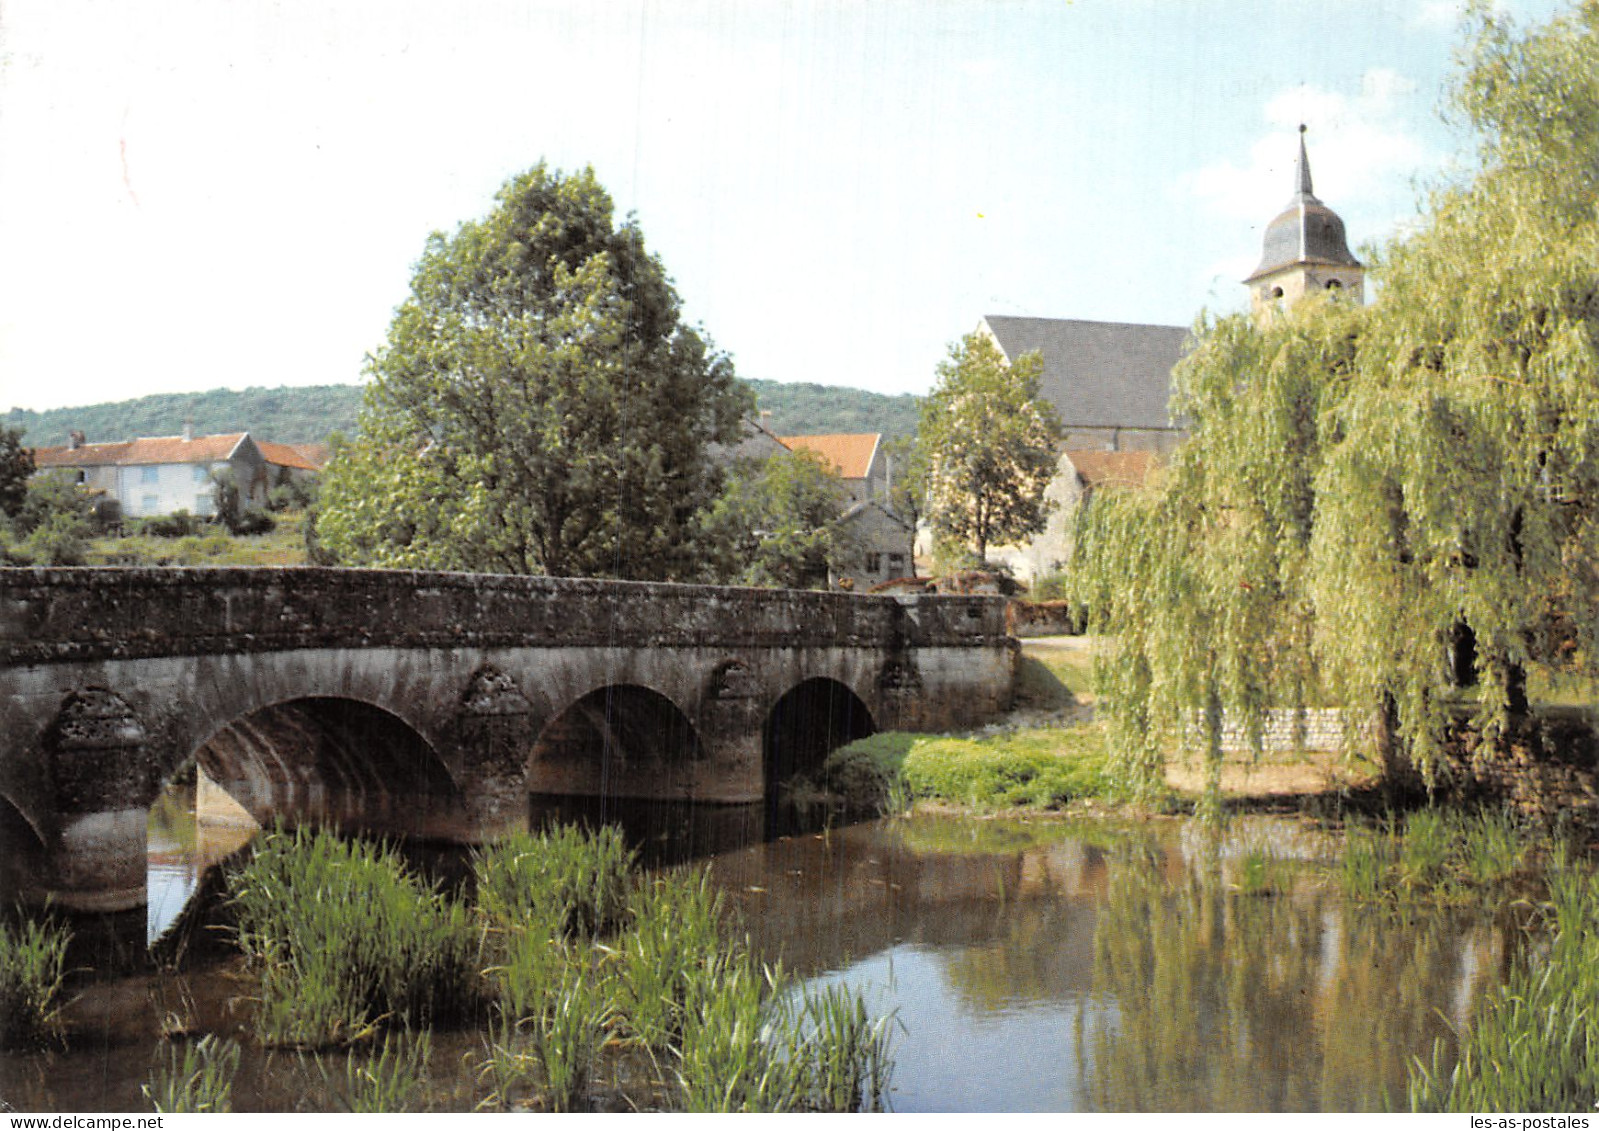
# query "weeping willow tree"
(1378, 501)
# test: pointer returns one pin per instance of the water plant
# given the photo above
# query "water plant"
(676, 921)
(1436, 854)
(1532, 1043)
(841, 1051)
(345, 938)
(197, 1079)
(729, 1056)
(32, 968)
(391, 1078)
(566, 1038)
(577, 878)
(1261, 872)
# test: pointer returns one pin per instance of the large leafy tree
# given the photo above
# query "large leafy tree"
(1368, 490)
(539, 406)
(988, 446)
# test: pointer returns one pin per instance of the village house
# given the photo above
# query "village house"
(161, 475)
(883, 539)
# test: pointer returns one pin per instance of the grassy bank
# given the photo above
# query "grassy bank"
(1043, 768)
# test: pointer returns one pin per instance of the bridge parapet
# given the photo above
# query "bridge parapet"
(72, 614)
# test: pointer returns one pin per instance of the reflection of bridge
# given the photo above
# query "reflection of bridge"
(434, 704)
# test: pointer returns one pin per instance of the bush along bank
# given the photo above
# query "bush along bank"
(1044, 768)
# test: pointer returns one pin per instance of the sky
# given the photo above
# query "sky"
(205, 193)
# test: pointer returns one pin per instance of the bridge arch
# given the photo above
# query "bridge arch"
(622, 739)
(23, 853)
(811, 720)
(332, 760)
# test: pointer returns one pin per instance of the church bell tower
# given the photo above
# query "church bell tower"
(1304, 252)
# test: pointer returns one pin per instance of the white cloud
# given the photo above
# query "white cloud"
(1363, 152)
(1438, 13)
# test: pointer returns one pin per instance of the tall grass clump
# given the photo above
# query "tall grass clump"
(345, 938)
(32, 968)
(841, 1052)
(1443, 855)
(569, 876)
(730, 1055)
(751, 1043)
(567, 1039)
(677, 920)
(198, 1079)
(1533, 1043)
(390, 1078)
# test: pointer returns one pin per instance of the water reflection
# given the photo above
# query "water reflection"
(181, 849)
(1042, 965)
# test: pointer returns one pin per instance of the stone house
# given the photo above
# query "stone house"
(1078, 474)
(161, 475)
(883, 539)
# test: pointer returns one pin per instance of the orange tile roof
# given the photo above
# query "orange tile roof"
(155, 449)
(850, 453)
(1120, 469)
(285, 455)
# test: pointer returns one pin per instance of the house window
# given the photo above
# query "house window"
(150, 504)
(200, 473)
(874, 563)
(204, 504)
(896, 560)
(150, 474)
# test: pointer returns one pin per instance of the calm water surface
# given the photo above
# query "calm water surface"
(1032, 966)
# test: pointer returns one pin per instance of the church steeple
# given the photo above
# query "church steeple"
(1304, 250)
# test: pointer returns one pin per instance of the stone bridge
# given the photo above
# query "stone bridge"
(435, 705)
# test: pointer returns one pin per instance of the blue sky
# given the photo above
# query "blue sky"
(197, 193)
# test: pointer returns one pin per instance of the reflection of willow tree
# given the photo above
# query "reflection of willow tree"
(1217, 1001)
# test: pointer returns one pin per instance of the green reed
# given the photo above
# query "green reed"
(568, 1037)
(346, 938)
(730, 1055)
(677, 920)
(576, 956)
(1262, 872)
(32, 969)
(1443, 855)
(1533, 1043)
(197, 1079)
(394, 1077)
(841, 1052)
(576, 878)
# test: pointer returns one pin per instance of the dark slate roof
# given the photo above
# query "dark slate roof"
(1099, 374)
(1306, 231)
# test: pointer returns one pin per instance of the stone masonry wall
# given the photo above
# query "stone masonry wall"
(1324, 730)
(52, 615)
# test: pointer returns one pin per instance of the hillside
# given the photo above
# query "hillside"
(313, 412)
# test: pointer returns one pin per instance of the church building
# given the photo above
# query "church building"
(1110, 382)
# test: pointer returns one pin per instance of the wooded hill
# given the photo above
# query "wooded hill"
(313, 412)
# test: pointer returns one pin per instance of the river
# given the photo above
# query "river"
(1041, 965)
